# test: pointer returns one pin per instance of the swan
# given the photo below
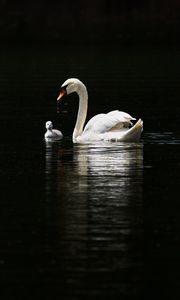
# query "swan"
(52, 134)
(113, 126)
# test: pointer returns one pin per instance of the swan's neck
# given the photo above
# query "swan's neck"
(82, 111)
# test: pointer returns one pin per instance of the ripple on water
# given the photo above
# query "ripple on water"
(161, 138)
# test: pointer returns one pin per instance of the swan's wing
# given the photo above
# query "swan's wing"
(123, 119)
(114, 120)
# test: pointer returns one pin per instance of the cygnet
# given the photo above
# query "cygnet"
(52, 134)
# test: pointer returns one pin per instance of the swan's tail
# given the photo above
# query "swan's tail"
(134, 133)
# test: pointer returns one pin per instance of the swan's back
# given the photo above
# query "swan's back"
(111, 121)
(115, 125)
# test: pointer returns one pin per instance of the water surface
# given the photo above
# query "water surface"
(95, 220)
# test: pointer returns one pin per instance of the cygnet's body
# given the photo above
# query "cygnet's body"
(52, 134)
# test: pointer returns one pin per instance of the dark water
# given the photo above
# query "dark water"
(95, 221)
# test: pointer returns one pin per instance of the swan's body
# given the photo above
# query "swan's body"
(113, 126)
(52, 134)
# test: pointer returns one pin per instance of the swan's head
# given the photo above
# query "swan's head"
(49, 125)
(69, 86)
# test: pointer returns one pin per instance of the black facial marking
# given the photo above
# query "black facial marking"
(64, 87)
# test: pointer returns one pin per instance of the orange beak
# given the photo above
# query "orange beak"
(62, 93)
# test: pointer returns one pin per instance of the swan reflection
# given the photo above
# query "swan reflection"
(90, 170)
(98, 209)
(110, 170)
(87, 176)
(102, 159)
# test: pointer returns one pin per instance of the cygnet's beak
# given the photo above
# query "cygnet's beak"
(62, 93)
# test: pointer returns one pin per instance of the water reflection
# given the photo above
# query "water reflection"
(108, 170)
(98, 214)
(102, 168)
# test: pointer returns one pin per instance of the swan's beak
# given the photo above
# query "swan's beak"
(62, 93)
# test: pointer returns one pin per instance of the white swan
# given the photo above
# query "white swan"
(113, 126)
(52, 134)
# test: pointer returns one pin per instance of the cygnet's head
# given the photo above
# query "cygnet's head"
(49, 125)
